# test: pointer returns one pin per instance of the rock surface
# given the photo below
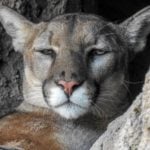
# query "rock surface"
(131, 131)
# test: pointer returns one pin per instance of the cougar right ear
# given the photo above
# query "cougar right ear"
(137, 28)
(16, 26)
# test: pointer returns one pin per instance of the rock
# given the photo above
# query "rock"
(131, 131)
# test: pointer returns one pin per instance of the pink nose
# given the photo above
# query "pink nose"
(68, 86)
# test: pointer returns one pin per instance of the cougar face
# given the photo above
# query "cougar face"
(75, 64)
(80, 64)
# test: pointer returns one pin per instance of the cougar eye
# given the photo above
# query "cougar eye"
(97, 52)
(49, 52)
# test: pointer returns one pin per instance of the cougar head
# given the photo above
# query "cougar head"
(76, 64)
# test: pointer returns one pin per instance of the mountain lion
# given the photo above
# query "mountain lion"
(75, 68)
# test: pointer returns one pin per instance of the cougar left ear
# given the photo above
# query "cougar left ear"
(16, 26)
(137, 28)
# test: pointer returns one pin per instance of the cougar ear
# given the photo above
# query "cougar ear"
(16, 26)
(137, 28)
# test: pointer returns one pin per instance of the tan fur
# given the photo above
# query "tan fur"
(31, 130)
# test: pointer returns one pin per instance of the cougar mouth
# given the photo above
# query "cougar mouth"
(69, 103)
(70, 107)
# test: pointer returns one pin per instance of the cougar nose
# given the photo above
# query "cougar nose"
(68, 86)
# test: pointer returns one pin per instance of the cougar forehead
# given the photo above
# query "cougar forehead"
(73, 31)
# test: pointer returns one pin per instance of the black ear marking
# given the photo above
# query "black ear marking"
(137, 28)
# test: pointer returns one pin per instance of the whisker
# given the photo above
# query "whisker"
(126, 87)
(104, 103)
(131, 82)
(108, 96)
(109, 34)
(35, 97)
(32, 93)
(99, 111)
(103, 113)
